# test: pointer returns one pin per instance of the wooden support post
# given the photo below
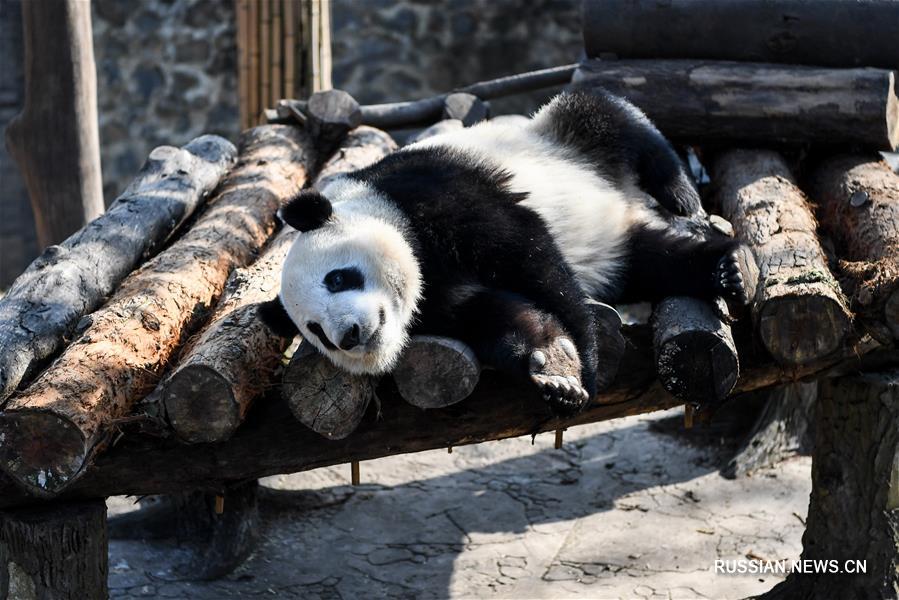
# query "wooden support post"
(728, 102)
(55, 140)
(354, 472)
(799, 309)
(854, 506)
(858, 207)
(44, 305)
(56, 551)
(120, 357)
(696, 357)
(230, 363)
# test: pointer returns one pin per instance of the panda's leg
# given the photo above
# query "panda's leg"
(623, 142)
(510, 333)
(661, 263)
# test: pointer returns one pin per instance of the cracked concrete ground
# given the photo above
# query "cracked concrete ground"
(621, 511)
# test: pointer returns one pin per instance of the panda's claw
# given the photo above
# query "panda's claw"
(555, 369)
(736, 275)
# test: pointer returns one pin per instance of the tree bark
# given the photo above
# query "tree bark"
(272, 441)
(831, 33)
(858, 205)
(727, 102)
(854, 506)
(55, 140)
(799, 308)
(231, 362)
(52, 429)
(43, 306)
(696, 357)
(783, 429)
(57, 551)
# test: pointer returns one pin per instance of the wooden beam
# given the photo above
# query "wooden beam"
(55, 140)
(51, 430)
(831, 33)
(44, 305)
(730, 102)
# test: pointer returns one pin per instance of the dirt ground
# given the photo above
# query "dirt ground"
(626, 509)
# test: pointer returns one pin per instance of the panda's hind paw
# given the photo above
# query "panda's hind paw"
(555, 369)
(736, 275)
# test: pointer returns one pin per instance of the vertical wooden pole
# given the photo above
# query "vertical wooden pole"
(54, 551)
(277, 66)
(55, 140)
(290, 39)
(253, 45)
(354, 472)
(242, 9)
(323, 48)
(265, 47)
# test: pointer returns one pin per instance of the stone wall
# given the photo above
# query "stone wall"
(166, 70)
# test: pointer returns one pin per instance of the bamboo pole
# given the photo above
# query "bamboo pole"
(277, 66)
(243, 62)
(323, 48)
(253, 45)
(265, 42)
(290, 39)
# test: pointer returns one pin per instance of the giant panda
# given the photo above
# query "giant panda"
(496, 235)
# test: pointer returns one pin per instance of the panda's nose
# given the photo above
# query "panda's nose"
(350, 339)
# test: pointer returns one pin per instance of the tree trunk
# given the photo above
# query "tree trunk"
(854, 506)
(52, 429)
(55, 140)
(831, 33)
(45, 303)
(54, 552)
(727, 102)
(231, 362)
(782, 430)
(799, 309)
(858, 205)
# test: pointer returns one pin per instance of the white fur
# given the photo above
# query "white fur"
(365, 232)
(587, 215)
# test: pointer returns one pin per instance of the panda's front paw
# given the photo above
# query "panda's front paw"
(556, 370)
(737, 275)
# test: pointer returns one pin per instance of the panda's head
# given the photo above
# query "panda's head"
(350, 284)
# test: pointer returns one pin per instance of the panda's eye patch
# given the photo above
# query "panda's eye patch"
(341, 280)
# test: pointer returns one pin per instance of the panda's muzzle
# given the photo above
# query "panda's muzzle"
(317, 330)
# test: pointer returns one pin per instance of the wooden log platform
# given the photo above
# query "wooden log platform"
(858, 207)
(701, 101)
(230, 363)
(272, 441)
(43, 306)
(54, 428)
(799, 309)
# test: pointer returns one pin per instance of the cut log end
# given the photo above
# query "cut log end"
(323, 397)
(40, 450)
(799, 329)
(200, 405)
(696, 357)
(436, 371)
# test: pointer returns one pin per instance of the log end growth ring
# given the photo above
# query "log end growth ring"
(799, 329)
(200, 405)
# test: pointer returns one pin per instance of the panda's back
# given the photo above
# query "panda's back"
(587, 215)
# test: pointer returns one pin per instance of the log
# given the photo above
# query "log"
(330, 115)
(465, 107)
(854, 505)
(43, 306)
(799, 309)
(727, 102)
(232, 361)
(55, 551)
(55, 139)
(435, 372)
(830, 33)
(272, 441)
(696, 357)
(52, 429)
(427, 111)
(611, 346)
(858, 206)
(323, 397)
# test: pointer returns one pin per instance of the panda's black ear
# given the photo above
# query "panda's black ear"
(307, 210)
(274, 316)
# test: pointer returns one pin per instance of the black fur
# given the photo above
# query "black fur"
(274, 316)
(307, 210)
(622, 142)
